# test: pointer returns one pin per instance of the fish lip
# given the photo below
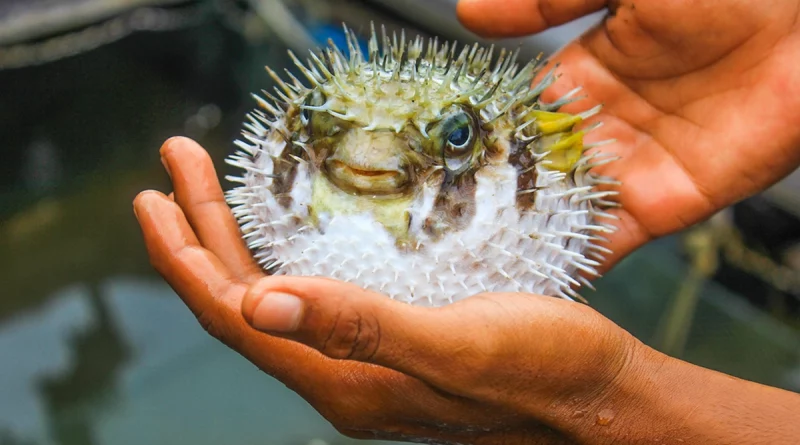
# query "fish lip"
(366, 181)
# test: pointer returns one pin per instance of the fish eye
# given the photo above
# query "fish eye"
(454, 136)
(459, 137)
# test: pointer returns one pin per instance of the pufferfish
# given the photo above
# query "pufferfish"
(421, 172)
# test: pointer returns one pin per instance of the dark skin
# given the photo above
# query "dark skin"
(704, 99)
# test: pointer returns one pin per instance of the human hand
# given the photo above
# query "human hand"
(703, 98)
(501, 368)
(495, 368)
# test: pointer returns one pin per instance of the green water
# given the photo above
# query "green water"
(96, 349)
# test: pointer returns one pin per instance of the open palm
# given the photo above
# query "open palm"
(703, 99)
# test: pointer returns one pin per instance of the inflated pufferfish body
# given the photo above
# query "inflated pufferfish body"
(423, 174)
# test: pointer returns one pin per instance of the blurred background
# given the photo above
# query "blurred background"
(96, 349)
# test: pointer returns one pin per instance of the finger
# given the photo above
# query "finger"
(512, 18)
(346, 322)
(195, 274)
(212, 293)
(198, 192)
(624, 115)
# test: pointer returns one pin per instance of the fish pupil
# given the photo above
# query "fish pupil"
(459, 136)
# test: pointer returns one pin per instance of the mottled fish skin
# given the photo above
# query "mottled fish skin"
(421, 172)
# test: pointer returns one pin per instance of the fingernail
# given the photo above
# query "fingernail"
(278, 312)
(166, 166)
(137, 202)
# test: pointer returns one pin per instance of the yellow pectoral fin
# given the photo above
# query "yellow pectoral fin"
(548, 122)
(565, 150)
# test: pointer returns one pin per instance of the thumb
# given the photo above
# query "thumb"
(513, 18)
(344, 321)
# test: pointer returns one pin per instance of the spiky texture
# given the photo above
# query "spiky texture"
(534, 206)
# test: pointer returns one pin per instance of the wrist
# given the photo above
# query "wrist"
(659, 399)
(637, 403)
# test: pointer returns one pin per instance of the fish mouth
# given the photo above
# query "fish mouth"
(363, 180)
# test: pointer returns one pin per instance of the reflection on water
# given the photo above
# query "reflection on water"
(123, 362)
(37, 343)
(96, 349)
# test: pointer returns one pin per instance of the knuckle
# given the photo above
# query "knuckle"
(211, 326)
(216, 319)
(164, 259)
(207, 323)
(158, 260)
(217, 328)
(546, 11)
(352, 335)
